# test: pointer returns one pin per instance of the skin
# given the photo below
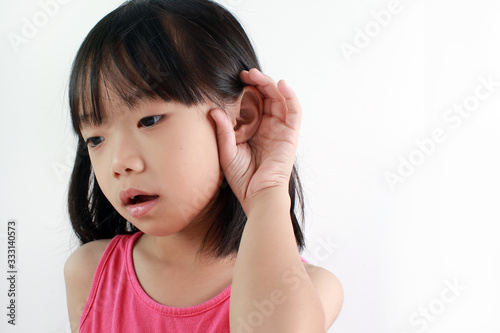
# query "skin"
(174, 157)
(183, 158)
(258, 170)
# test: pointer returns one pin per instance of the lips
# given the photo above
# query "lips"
(133, 196)
(140, 198)
(138, 203)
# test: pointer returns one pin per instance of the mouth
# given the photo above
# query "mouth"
(138, 199)
(133, 197)
(138, 203)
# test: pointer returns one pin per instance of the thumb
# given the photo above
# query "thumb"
(226, 139)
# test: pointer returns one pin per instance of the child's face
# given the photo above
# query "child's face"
(173, 157)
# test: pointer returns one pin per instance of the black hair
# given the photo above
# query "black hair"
(177, 50)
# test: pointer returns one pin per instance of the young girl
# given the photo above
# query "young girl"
(184, 186)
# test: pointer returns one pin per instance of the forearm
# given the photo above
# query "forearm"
(271, 290)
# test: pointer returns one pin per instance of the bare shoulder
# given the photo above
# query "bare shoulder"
(329, 290)
(79, 271)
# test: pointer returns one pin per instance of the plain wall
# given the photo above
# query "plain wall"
(398, 152)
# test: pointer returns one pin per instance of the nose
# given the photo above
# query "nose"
(127, 157)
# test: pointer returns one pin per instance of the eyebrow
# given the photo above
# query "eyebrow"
(87, 120)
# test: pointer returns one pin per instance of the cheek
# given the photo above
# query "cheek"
(102, 175)
(198, 168)
(103, 182)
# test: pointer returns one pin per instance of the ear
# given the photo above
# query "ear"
(248, 113)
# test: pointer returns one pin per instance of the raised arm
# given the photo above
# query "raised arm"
(271, 291)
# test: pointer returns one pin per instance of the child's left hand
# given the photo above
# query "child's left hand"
(266, 160)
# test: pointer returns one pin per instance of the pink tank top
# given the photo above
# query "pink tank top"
(117, 302)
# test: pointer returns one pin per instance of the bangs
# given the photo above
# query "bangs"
(185, 51)
(140, 52)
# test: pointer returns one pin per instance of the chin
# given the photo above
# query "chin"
(159, 228)
(156, 229)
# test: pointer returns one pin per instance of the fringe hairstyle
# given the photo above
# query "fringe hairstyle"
(176, 50)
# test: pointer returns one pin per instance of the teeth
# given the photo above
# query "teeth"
(140, 198)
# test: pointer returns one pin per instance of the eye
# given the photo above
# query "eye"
(94, 141)
(150, 121)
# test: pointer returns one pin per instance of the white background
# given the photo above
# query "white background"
(396, 250)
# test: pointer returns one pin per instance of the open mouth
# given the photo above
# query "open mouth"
(137, 199)
(137, 203)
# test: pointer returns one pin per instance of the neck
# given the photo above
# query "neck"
(182, 249)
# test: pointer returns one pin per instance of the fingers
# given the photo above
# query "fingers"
(274, 102)
(265, 84)
(294, 110)
(226, 139)
(279, 99)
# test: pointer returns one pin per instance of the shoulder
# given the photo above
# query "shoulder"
(79, 271)
(329, 290)
(87, 254)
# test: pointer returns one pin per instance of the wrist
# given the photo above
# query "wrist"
(276, 198)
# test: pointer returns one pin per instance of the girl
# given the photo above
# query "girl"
(184, 186)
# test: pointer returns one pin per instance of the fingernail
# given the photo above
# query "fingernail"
(212, 113)
(286, 85)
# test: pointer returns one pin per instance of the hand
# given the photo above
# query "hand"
(265, 161)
